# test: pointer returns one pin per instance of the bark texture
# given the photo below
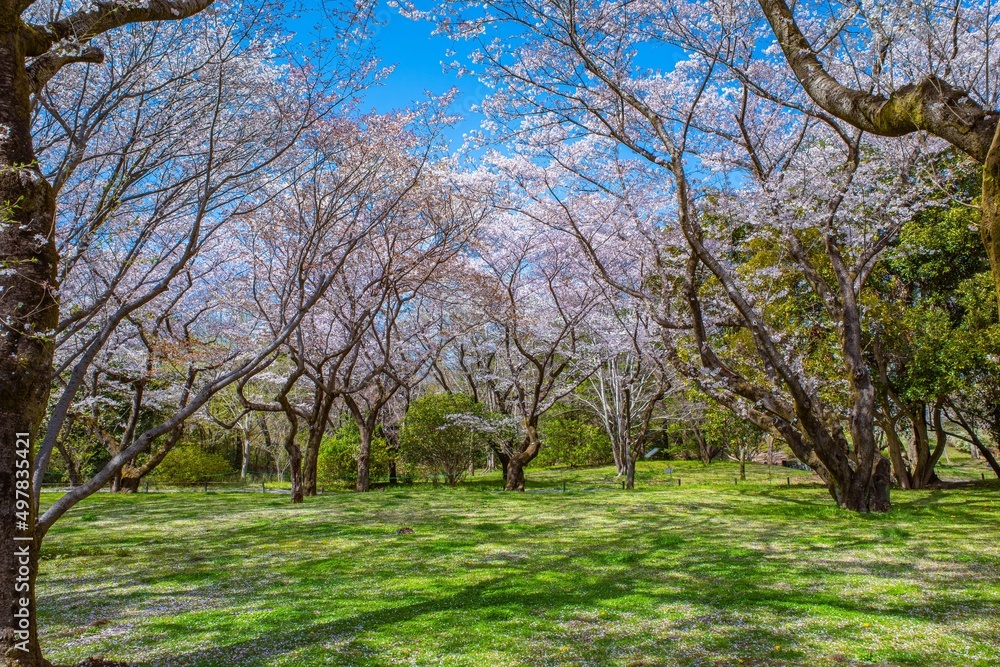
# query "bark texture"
(525, 454)
(28, 315)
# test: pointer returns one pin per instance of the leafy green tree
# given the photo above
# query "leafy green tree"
(189, 464)
(338, 456)
(933, 340)
(573, 441)
(439, 434)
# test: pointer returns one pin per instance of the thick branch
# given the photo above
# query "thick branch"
(48, 65)
(931, 104)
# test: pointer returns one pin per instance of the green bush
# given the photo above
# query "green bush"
(433, 439)
(569, 441)
(338, 457)
(188, 464)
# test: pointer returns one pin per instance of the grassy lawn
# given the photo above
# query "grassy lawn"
(705, 573)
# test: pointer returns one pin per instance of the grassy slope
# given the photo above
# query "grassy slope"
(707, 573)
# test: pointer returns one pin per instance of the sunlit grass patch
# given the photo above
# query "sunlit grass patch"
(706, 573)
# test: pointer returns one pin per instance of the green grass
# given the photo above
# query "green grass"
(708, 573)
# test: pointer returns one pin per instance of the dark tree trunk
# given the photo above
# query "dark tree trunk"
(988, 455)
(514, 474)
(295, 467)
(130, 481)
(896, 455)
(989, 225)
(977, 443)
(392, 444)
(19, 559)
(504, 462)
(294, 454)
(72, 467)
(630, 473)
(129, 477)
(931, 458)
(514, 470)
(321, 413)
(873, 496)
(311, 461)
(706, 452)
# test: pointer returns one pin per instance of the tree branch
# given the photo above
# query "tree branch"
(931, 104)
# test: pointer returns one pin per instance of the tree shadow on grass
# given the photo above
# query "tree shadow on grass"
(664, 588)
(502, 603)
(718, 597)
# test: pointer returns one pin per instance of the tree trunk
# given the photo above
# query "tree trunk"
(977, 443)
(514, 474)
(504, 462)
(28, 315)
(317, 429)
(129, 477)
(19, 559)
(364, 458)
(514, 470)
(630, 473)
(130, 480)
(923, 474)
(294, 458)
(705, 451)
(743, 464)
(295, 466)
(72, 467)
(989, 225)
(616, 454)
(896, 454)
(392, 444)
(245, 455)
(872, 496)
(988, 455)
(311, 460)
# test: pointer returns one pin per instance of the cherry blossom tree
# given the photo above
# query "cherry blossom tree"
(909, 67)
(390, 298)
(626, 389)
(126, 184)
(531, 294)
(733, 161)
(35, 45)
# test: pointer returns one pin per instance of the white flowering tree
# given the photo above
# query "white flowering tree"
(730, 165)
(125, 183)
(526, 346)
(630, 384)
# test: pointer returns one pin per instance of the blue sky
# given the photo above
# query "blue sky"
(417, 56)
